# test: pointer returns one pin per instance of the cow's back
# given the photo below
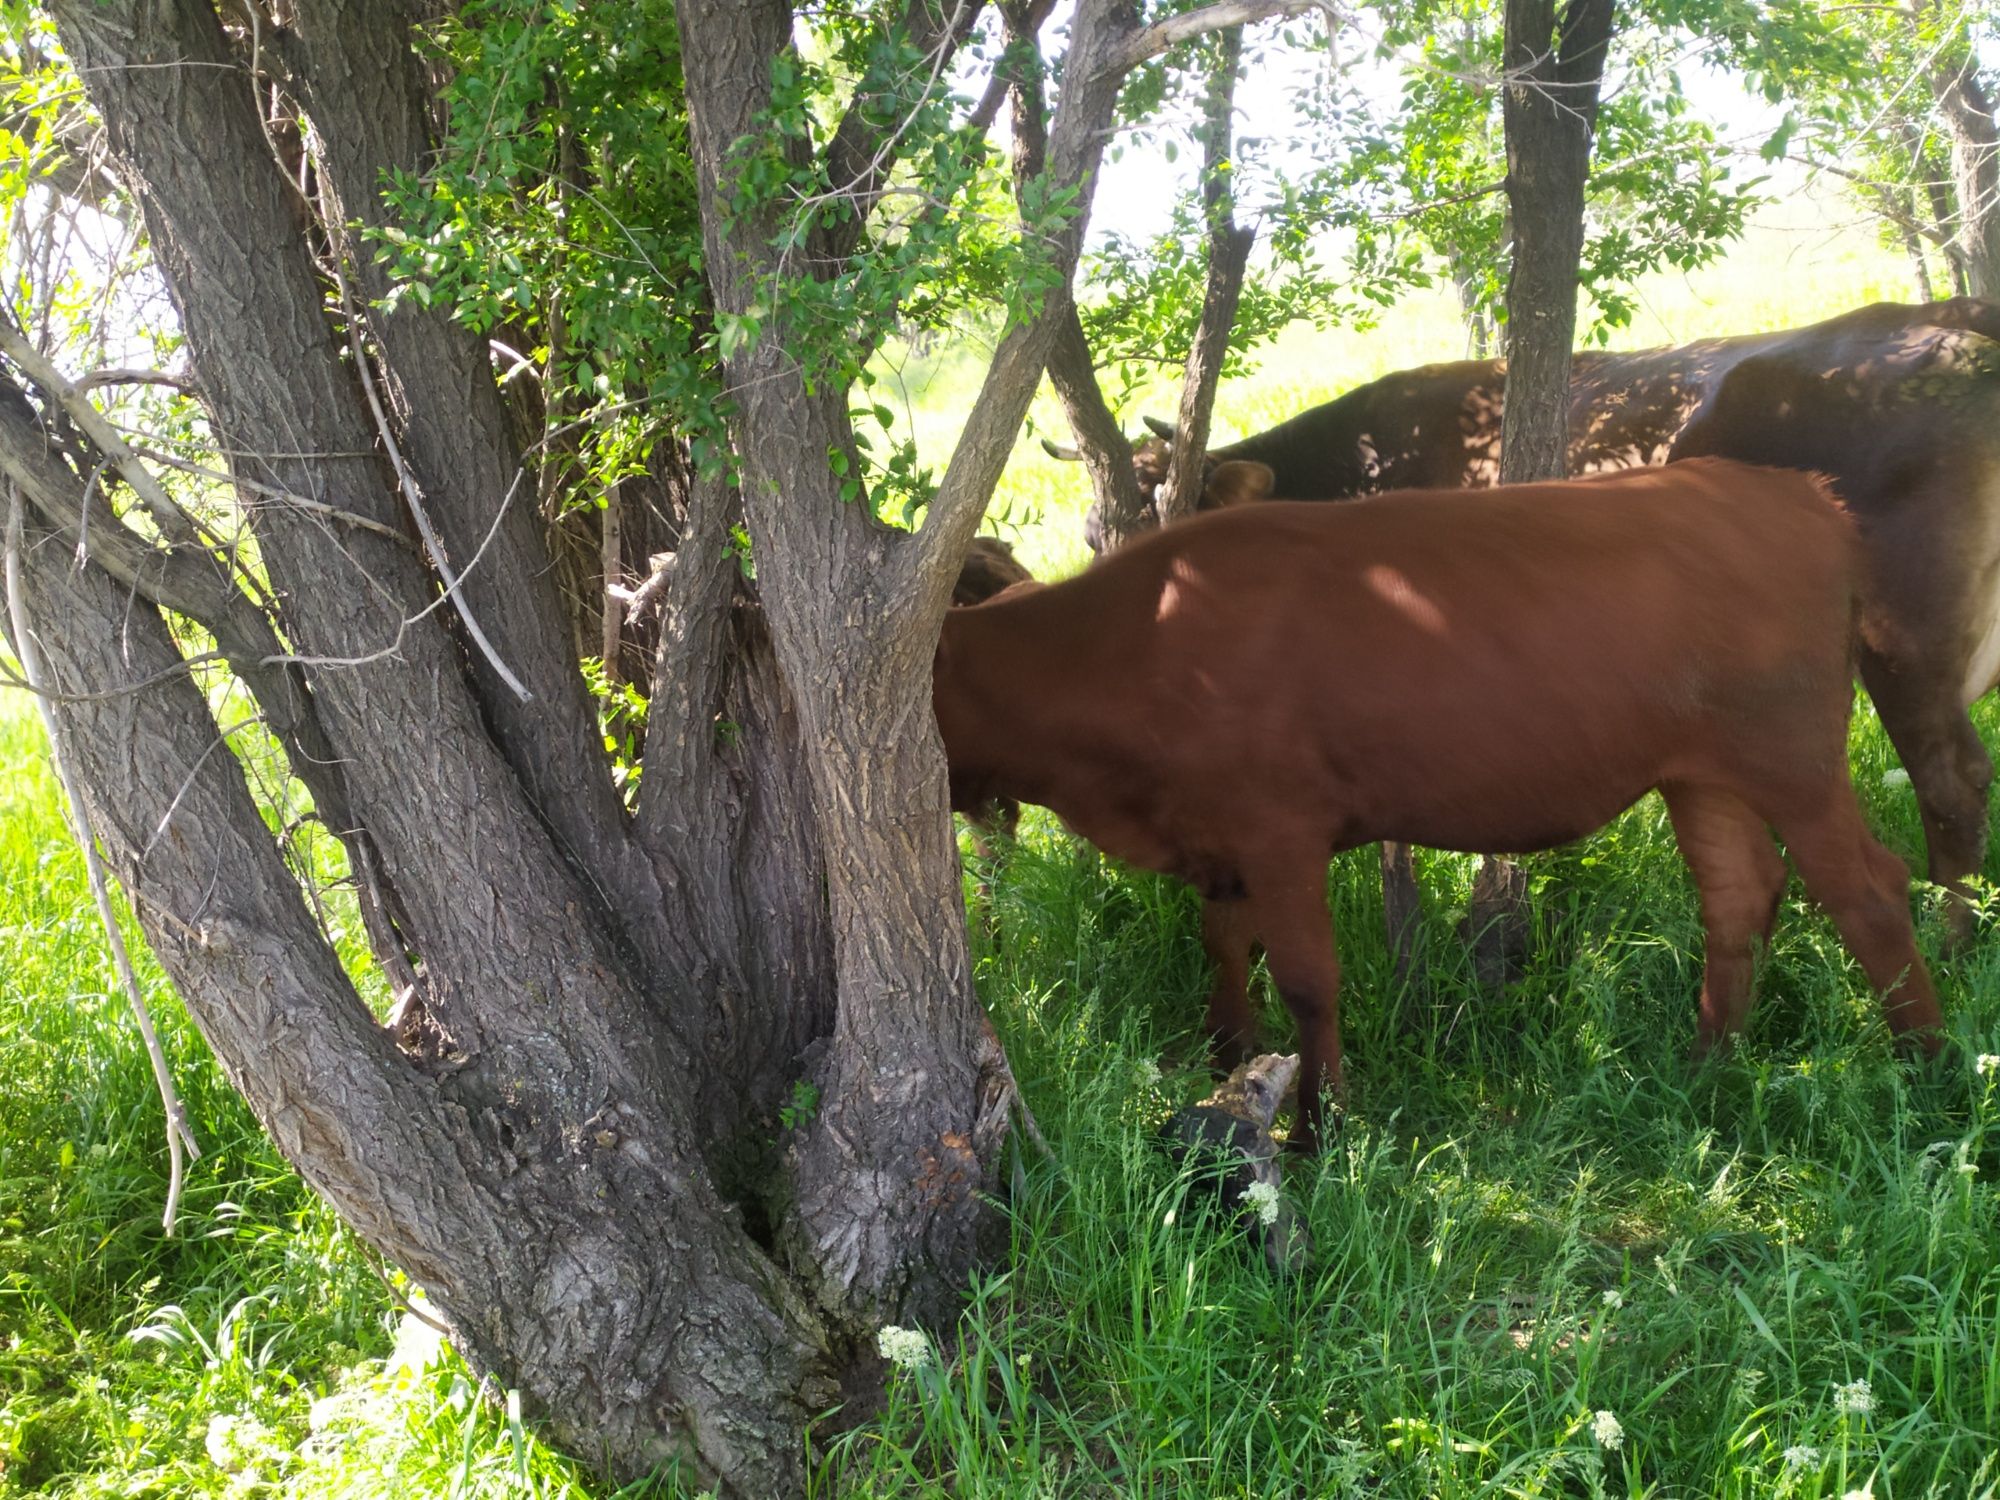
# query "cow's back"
(1500, 670)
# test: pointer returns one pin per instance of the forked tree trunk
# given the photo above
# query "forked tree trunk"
(1123, 508)
(575, 1159)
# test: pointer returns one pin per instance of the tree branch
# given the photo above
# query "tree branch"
(862, 155)
(1149, 42)
(175, 524)
(1101, 52)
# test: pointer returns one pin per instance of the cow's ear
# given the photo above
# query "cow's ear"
(1237, 482)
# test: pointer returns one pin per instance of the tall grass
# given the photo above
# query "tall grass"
(1537, 1211)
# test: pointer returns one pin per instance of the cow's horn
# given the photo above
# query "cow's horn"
(1064, 451)
(1167, 430)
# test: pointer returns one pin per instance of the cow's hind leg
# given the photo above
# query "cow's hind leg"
(1950, 772)
(1739, 877)
(1866, 891)
(1287, 905)
(1227, 933)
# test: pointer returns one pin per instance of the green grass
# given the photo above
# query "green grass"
(253, 1350)
(1537, 1210)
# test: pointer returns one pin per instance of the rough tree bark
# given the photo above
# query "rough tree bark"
(1549, 113)
(573, 1157)
(1228, 257)
(1965, 109)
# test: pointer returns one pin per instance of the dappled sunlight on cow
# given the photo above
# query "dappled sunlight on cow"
(1527, 665)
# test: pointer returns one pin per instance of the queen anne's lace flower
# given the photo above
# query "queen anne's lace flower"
(907, 1347)
(1801, 1456)
(1604, 1427)
(1989, 1062)
(1853, 1399)
(1262, 1199)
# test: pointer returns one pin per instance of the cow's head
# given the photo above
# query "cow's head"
(990, 567)
(1224, 483)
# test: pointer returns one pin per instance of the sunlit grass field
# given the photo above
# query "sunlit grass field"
(1550, 1257)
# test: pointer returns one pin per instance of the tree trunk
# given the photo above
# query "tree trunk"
(1913, 246)
(1967, 111)
(1228, 258)
(1549, 111)
(1481, 337)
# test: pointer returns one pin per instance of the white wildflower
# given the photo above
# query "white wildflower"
(1988, 1062)
(1604, 1427)
(1867, 1494)
(1853, 1399)
(220, 1442)
(1613, 1299)
(1801, 1456)
(327, 1411)
(1262, 1200)
(235, 1442)
(908, 1347)
(1146, 1072)
(1896, 776)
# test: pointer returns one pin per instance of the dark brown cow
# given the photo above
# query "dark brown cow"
(989, 570)
(1899, 406)
(1235, 699)
(990, 566)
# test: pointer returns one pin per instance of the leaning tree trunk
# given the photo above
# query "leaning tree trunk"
(1123, 507)
(1228, 257)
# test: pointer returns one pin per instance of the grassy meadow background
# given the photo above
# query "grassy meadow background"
(1550, 1258)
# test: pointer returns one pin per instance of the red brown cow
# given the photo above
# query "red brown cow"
(1234, 700)
(1898, 405)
